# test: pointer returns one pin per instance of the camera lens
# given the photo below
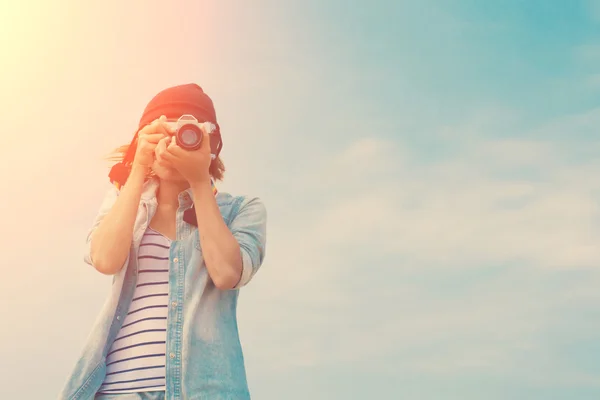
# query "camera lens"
(189, 137)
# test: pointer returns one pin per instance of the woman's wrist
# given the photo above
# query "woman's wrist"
(139, 171)
(137, 176)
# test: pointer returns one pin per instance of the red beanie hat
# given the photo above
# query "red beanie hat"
(178, 100)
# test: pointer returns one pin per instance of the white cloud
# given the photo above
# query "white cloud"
(594, 81)
(386, 218)
(588, 52)
(472, 209)
(594, 9)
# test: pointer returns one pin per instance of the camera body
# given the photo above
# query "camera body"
(189, 133)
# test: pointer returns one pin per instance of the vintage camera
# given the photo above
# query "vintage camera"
(189, 133)
(189, 136)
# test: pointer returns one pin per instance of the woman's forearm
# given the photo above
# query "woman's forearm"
(220, 249)
(111, 241)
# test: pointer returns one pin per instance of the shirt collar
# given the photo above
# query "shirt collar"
(185, 198)
(151, 187)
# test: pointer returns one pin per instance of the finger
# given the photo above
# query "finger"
(170, 127)
(160, 159)
(174, 148)
(154, 129)
(146, 129)
(145, 147)
(159, 125)
(162, 144)
(146, 140)
(167, 156)
(160, 149)
(152, 137)
(163, 125)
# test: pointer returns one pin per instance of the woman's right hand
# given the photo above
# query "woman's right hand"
(148, 138)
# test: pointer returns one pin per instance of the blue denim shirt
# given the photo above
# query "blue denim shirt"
(204, 357)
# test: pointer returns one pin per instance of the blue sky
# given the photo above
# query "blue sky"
(429, 168)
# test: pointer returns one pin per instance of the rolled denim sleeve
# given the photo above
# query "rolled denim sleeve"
(107, 203)
(249, 227)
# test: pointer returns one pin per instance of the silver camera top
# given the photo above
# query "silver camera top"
(186, 119)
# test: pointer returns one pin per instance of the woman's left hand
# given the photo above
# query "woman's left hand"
(192, 165)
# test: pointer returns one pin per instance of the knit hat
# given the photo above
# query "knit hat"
(178, 100)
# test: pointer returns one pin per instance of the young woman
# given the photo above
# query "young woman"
(178, 251)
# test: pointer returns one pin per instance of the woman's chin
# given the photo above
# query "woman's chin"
(167, 174)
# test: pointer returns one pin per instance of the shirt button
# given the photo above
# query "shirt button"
(172, 355)
(118, 317)
(175, 259)
(174, 304)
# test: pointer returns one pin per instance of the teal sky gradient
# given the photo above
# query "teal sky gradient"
(429, 168)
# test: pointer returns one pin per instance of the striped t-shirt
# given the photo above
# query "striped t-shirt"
(136, 359)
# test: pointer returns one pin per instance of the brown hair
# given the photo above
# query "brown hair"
(216, 169)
